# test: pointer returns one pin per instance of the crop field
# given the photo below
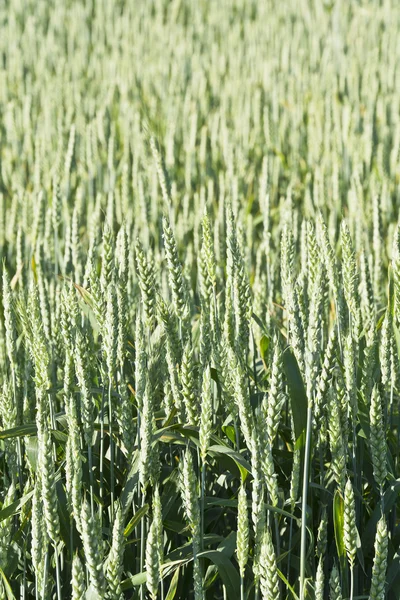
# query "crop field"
(200, 300)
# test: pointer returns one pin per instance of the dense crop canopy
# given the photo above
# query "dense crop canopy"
(200, 299)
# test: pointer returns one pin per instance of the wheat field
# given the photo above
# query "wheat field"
(200, 300)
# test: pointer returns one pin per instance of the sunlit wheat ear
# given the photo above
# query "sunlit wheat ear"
(380, 562)
(189, 492)
(76, 248)
(206, 414)
(267, 465)
(273, 401)
(152, 562)
(173, 375)
(77, 579)
(122, 255)
(9, 320)
(188, 382)
(158, 520)
(330, 263)
(325, 376)
(377, 439)
(73, 471)
(240, 287)
(314, 334)
(336, 443)
(313, 257)
(350, 376)
(86, 403)
(175, 275)
(48, 488)
(205, 341)
(37, 345)
(208, 251)
(121, 329)
(204, 284)
(93, 547)
(197, 580)
(161, 173)
(124, 416)
(242, 538)
(366, 291)
(43, 295)
(350, 278)
(257, 495)
(110, 332)
(107, 266)
(385, 349)
(148, 457)
(296, 329)
(377, 246)
(98, 296)
(147, 285)
(114, 564)
(220, 355)
(69, 155)
(258, 514)
(343, 404)
(295, 324)
(396, 270)
(229, 317)
(268, 569)
(140, 363)
(40, 538)
(69, 317)
(368, 363)
(302, 301)
(241, 397)
(350, 528)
